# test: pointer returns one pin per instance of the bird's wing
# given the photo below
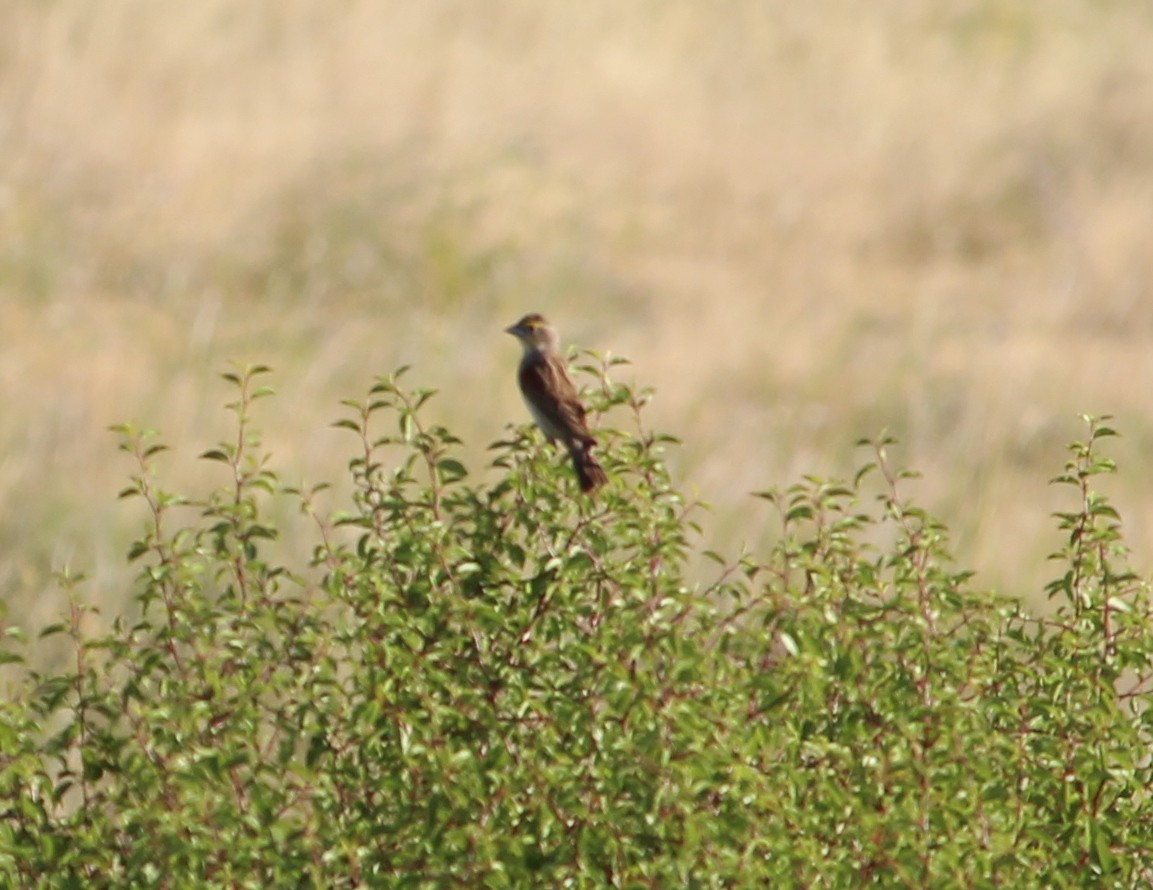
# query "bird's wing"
(546, 384)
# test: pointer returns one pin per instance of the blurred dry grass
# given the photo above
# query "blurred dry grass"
(803, 222)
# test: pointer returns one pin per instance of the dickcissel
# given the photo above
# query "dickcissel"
(552, 397)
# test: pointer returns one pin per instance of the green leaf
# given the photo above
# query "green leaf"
(450, 470)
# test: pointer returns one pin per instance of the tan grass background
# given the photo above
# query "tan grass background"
(803, 222)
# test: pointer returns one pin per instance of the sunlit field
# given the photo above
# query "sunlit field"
(802, 223)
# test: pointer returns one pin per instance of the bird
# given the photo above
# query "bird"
(552, 397)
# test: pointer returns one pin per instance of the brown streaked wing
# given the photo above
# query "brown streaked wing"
(546, 384)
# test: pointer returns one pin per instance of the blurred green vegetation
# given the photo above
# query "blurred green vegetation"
(508, 684)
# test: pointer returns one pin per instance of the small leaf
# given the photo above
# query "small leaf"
(450, 470)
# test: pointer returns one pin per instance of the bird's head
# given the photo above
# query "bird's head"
(534, 332)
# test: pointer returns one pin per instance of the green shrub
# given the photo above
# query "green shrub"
(504, 684)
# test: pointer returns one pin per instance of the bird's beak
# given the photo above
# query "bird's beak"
(515, 330)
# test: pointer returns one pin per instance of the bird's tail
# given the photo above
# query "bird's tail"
(590, 474)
